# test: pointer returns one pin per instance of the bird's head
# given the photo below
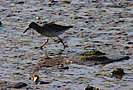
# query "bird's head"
(31, 25)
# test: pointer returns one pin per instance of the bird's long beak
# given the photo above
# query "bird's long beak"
(26, 30)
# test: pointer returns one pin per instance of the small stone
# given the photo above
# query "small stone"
(86, 21)
(118, 71)
(20, 2)
(130, 43)
(90, 17)
(66, 2)
(81, 29)
(42, 82)
(62, 66)
(38, 18)
(126, 47)
(0, 23)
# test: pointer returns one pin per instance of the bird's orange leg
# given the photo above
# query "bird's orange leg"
(62, 42)
(45, 42)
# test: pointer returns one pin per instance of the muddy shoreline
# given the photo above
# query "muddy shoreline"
(105, 26)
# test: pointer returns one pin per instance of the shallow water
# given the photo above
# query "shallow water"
(100, 25)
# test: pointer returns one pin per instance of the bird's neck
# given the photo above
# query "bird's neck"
(38, 28)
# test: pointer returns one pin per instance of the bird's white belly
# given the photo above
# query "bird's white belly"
(50, 34)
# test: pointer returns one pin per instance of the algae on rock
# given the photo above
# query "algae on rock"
(93, 55)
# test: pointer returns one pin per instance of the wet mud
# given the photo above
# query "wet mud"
(102, 25)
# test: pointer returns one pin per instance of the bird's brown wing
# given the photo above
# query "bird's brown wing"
(55, 27)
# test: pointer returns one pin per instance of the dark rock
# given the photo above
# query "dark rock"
(0, 23)
(42, 82)
(20, 2)
(115, 60)
(86, 21)
(20, 85)
(130, 43)
(66, 2)
(81, 29)
(89, 17)
(52, 2)
(114, 6)
(17, 11)
(126, 47)
(62, 66)
(10, 15)
(76, 17)
(94, 1)
(118, 71)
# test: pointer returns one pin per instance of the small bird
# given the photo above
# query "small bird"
(48, 30)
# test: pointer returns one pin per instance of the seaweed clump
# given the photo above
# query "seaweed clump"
(98, 57)
(88, 87)
(93, 55)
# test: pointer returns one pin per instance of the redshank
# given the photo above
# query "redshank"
(49, 30)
